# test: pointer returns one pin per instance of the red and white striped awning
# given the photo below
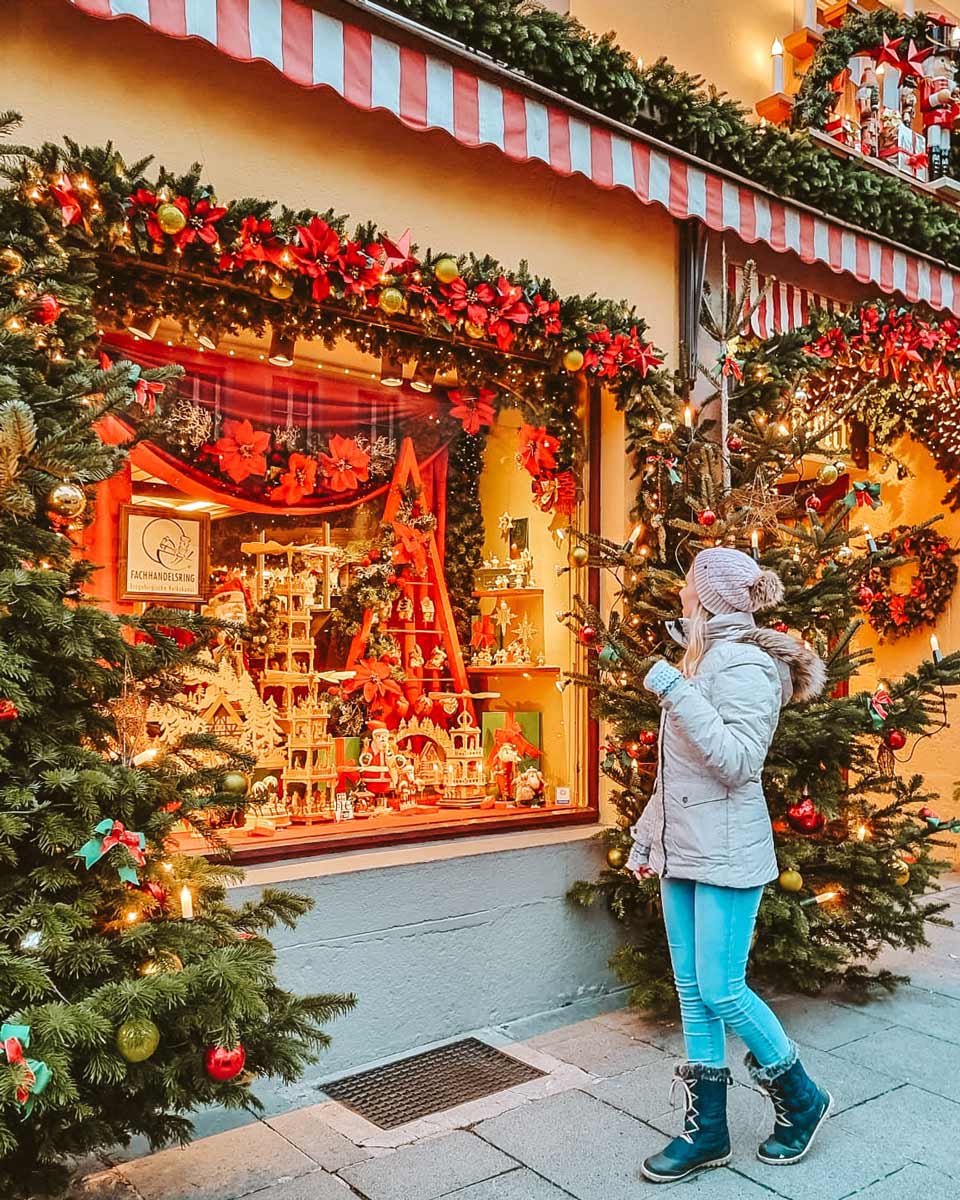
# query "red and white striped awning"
(426, 91)
(780, 307)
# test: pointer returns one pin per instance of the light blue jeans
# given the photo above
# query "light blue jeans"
(709, 930)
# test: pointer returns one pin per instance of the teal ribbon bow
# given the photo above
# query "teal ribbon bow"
(112, 833)
(863, 495)
(15, 1039)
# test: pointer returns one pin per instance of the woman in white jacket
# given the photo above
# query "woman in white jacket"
(706, 832)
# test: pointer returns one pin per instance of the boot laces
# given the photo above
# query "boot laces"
(780, 1108)
(681, 1093)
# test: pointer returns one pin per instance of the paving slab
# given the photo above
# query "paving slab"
(927, 1061)
(309, 1130)
(918, 1008)
(925, 1127)
(316, 1186)
(912, 1182)
(848, 1082)
(825, 1024)
(428, 1169)
(513, 1185)
(224, 1167)
(643, 1093)
(597, 1049)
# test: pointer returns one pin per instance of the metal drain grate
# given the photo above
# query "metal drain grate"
(430, 1082)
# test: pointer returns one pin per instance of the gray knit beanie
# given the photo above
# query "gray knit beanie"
(729, 581)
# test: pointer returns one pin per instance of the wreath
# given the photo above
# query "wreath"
(897, 614)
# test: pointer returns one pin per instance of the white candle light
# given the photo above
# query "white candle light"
(935, 648)
(186, 903)
(871, 544)
(755, 545)
(776, 53)
(688, 416)
(631, 541)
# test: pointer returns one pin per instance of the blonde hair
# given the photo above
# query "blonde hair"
(695, 628)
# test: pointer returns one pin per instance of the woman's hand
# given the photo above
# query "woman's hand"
(644, 872)
(661, 678)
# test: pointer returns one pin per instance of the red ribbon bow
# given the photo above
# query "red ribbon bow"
(119, 836)
(146, 393)
(13, 1049)
(8, 710)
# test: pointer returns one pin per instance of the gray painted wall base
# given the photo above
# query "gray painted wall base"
(437, 949)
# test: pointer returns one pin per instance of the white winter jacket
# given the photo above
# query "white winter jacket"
(707, 818)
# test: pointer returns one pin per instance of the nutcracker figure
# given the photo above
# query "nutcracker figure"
(868, 105)
(939, 107)
(377, 766)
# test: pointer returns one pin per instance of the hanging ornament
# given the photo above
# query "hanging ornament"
(664, 431)
(391, 300)
(66, 499)
(224, 1064)
(164, 962)
(138, 1039)
(472, 330)
(616, 857)
(828, 475)
(648, 737)
(11, 261)
(865, 596)
(47, 309)
(791, 881)
(734, 443)
(782, 627)
(171, 218)
(844, 553)
(586, 635)
(579, 556)
(31, 940)
(895, 739)
(281, 288)
(707, 517)
(446, 270)
(804, 818)
(8, 710)
(813, 503)
(573, 359)
(608, 657)
(234, 783)
(901, 872)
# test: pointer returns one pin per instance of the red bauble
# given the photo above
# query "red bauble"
(865, 596)
(734, 443)
(707, 518)
(223, 1064)
(587, 635)
(648, 738)
(895, 739)
(782, 627)
(804, 818)
(814, 503)
(47, 309)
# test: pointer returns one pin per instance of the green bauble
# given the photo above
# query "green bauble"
(446, 270)
(137, 1040)
(234, 783)
(608, 657)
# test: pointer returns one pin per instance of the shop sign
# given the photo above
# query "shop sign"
(164, 555)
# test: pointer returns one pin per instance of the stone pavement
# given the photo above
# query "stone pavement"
(581, 1130)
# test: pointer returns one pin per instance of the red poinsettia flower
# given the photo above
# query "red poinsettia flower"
(346, 466)
(256, 242)
(611, 354)
(317, 254)
(549, 313)
(898, 609)
(201, 223)
(472, 411)
(70, 211)
(510, 309)
(299, 480)
(410, 546)
(142, 200)
(556, 493)
(537, 450)
(472, 301)
(373, 677)
(360, 267)
(242, 450)
(830, 344)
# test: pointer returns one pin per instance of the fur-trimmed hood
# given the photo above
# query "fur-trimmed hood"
(803, 674)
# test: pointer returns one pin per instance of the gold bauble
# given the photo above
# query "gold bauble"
(164, 963)
(281, 288)
(844, 553)
(616, 857)
(234, 783)
(11, 261)
(828, 474)
(170, 218)
(791, 881)
(138, 1039)
(573, 360)
(579, 556)
(471, 330)
(664, 431)
(446, 270)
(66, 500)
(901, 873)
(391, 300)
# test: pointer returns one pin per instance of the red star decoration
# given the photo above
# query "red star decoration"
(911, 64)
(887, 53)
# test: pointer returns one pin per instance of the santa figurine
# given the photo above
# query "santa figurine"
(531, 788)
(505, 763)
(939, 108)
(377, 766)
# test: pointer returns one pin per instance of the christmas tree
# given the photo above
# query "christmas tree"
(856, 840)
(132, 992)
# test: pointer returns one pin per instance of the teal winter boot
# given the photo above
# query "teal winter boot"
(705, 1141)
(801, 1107)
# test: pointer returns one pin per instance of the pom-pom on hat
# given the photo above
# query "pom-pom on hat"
(729, 581)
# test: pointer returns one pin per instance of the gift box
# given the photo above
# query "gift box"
(905, 149)
(528, 724)
(844, 129)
